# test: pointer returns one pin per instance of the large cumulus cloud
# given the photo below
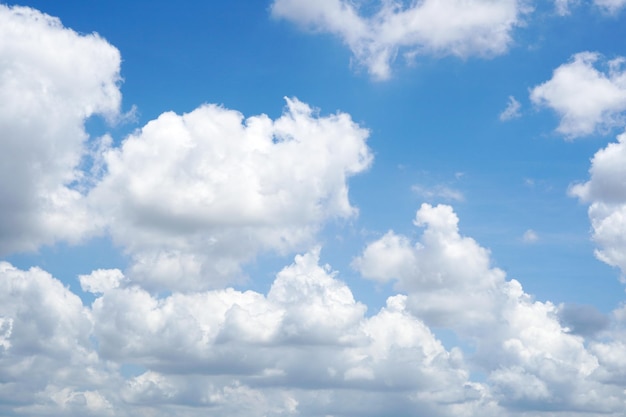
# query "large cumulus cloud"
(51, 80)
(194, 195)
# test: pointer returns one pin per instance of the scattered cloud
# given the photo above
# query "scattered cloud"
(530, 236)
(586, 99)
(611, 6)
(459, 28)
(438, 192)
(191, 197)
(512, 110)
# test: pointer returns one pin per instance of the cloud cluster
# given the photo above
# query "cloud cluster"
(532, 361)
(460, 27)
(586, 99)
(51, 80)
(191, 197)
(195, 195)
(307, 347)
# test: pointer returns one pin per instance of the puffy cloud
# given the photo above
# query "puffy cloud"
(586, 99)
(606, 193)
(512, 110)
(192, 196)
(51, 80)
(101, 280)
(532, 362)
(460, 28)
(307, 338)
(48, 365)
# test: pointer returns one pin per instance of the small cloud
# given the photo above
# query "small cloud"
(530, 236)
(512, 110)
(438, 191)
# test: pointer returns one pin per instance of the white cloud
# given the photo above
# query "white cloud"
(192, 196)
(47, 359)
(586, 99)
(51, 80)
(611, 6)
(438, 192)
(562, 7)
(530, 236)
(512, 110)
(307, 337)
(101, 280)
(532, 362)
(606, 193)
(460, 28)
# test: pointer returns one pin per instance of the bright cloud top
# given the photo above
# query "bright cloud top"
(51, 80)
(460, 28)
(586, 99)
(198, 193)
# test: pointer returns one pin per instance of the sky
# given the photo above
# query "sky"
(337, 208)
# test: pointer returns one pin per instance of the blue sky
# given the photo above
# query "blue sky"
(284, 207)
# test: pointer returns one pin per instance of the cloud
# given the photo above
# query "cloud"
(610, 6)
(584, 320)
(606, 193)
(194, 195)
(532, 361)
(47, 359)
(586, 99)
(562, 7)
(512, 110)
(307, 338)
(438, 192)
(459, 28)
(51, 80)
(530, 236)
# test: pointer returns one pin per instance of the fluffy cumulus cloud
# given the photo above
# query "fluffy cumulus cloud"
(51, 80)
(587, 99)
(461, 28)
(48, 365)
(194, 195)
(307, 347)
(532, 360)
(606, 193)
